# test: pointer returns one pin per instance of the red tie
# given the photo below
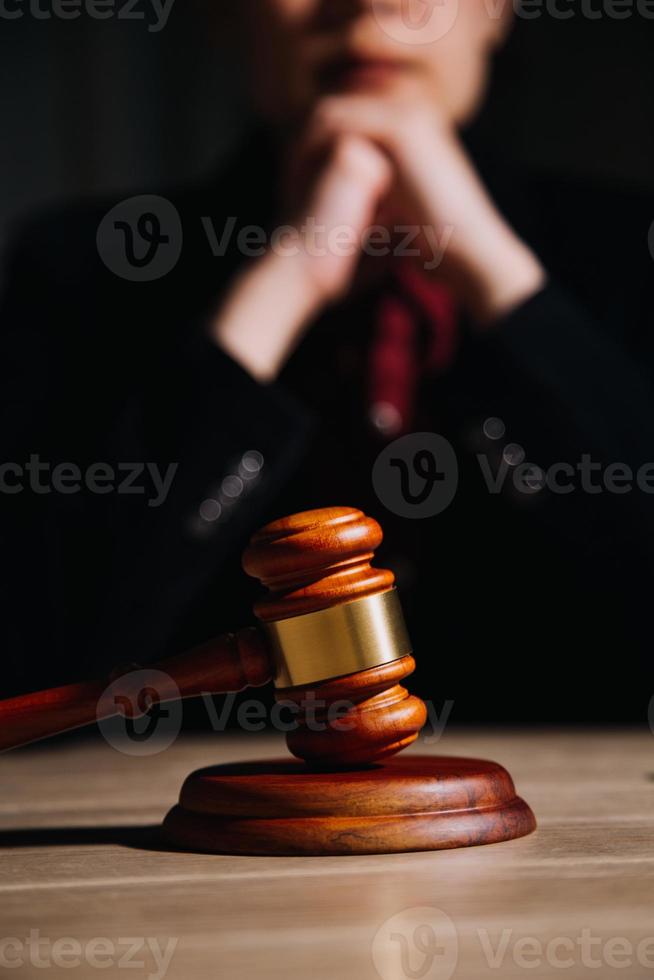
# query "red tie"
(415, 337)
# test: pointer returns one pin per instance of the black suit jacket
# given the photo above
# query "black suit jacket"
(521, 606)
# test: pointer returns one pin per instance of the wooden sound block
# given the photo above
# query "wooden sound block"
(409, 803)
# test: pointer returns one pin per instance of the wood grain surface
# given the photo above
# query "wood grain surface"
(79, 860)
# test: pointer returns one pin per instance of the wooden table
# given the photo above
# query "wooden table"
(79, 861)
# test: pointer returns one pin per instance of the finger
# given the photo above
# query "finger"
(353, 182)
(357, 115)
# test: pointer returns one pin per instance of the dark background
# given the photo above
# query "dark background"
(90, 105)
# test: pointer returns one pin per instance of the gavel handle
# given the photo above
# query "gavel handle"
(229, 663)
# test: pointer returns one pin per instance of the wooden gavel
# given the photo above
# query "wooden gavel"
(333, 635)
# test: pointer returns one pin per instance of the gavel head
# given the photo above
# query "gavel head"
(337, 635)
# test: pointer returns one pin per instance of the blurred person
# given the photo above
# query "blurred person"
(466, 301)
